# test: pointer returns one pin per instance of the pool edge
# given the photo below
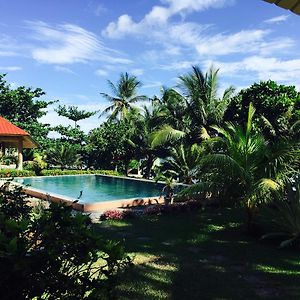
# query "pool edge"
(93, 207)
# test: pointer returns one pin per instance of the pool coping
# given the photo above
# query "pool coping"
(92, 207)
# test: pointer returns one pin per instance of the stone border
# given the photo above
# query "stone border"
(93, 207)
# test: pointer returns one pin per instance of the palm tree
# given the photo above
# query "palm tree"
(201, 95)
(201, 108)
(244, 158)
(171, 118)
(183, 161)
(124, 96)
(64, 155)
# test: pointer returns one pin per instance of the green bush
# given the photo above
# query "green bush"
(55, 172)
(15, 173)
(287, 217)
(54, 254)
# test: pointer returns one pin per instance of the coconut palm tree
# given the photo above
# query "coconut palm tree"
(183, 161)
(123, 98)
(244, 158)
(200, 91)
(64, 155)
(202, 106)
(171, 118)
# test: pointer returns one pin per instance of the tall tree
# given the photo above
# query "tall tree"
(204, 105)
(23, 107)
(125, 94)
(277, 109)
(245, 162)
(202, 108)
(110, 146)
(73, 113)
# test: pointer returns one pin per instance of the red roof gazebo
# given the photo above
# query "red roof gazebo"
(15, 137)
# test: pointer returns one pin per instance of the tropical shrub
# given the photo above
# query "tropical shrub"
(56, 172)
(117, 215)
(54, 254)
(277, 108)
(63, 155)
(37, 164)
(15, 173)
(243, 160)
(287, 217)
(178, 207)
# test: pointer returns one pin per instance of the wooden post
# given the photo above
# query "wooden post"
(20, 154)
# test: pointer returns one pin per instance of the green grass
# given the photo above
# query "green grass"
(203, 255)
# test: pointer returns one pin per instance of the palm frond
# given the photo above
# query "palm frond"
(204, 134)
(164, 135)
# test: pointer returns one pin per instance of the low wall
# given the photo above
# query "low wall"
(94, 207)
(53, 198)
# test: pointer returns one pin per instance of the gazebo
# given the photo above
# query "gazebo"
(292, 5)
(12, 136)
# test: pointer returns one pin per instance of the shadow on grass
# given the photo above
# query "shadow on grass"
(203, 255)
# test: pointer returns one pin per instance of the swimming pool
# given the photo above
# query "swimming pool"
(95, 188)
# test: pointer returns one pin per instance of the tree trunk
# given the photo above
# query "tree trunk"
(149, 165)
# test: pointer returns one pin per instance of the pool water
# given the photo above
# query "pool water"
(95, 188)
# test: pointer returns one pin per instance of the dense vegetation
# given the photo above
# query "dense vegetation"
(190, 133)
(50, 253)
(236, 150)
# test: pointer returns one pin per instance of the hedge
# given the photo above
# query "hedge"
(15, 173)
(55, 172)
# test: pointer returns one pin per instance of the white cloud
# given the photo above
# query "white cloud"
(277, 20)
(159, 16)
(8, 46)
(69, 43)
(99, 10)
(179, 65)
(137, 72)
(101, 72)
(263, 68)
(10, 68)
(241, 42)
(152, 84)
(64, 70)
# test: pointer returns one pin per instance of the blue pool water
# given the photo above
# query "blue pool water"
(95, 188)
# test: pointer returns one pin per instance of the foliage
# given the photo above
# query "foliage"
(124, 96)
(54, 254)
(9, 159)
(183, 161)
(15, 173)
(179, 207)
(109, 144)
(63, 154)
(201, 93)
(73, 113)
(117, 215)
(245, 162)
(22, 107)
(56, 172)
(38, 163)
(71, 134)
(196, 107)
(277, 107)
(287, 216)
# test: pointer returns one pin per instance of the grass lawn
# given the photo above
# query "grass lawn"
(203, 255)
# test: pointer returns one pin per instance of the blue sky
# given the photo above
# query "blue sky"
(70, 48)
